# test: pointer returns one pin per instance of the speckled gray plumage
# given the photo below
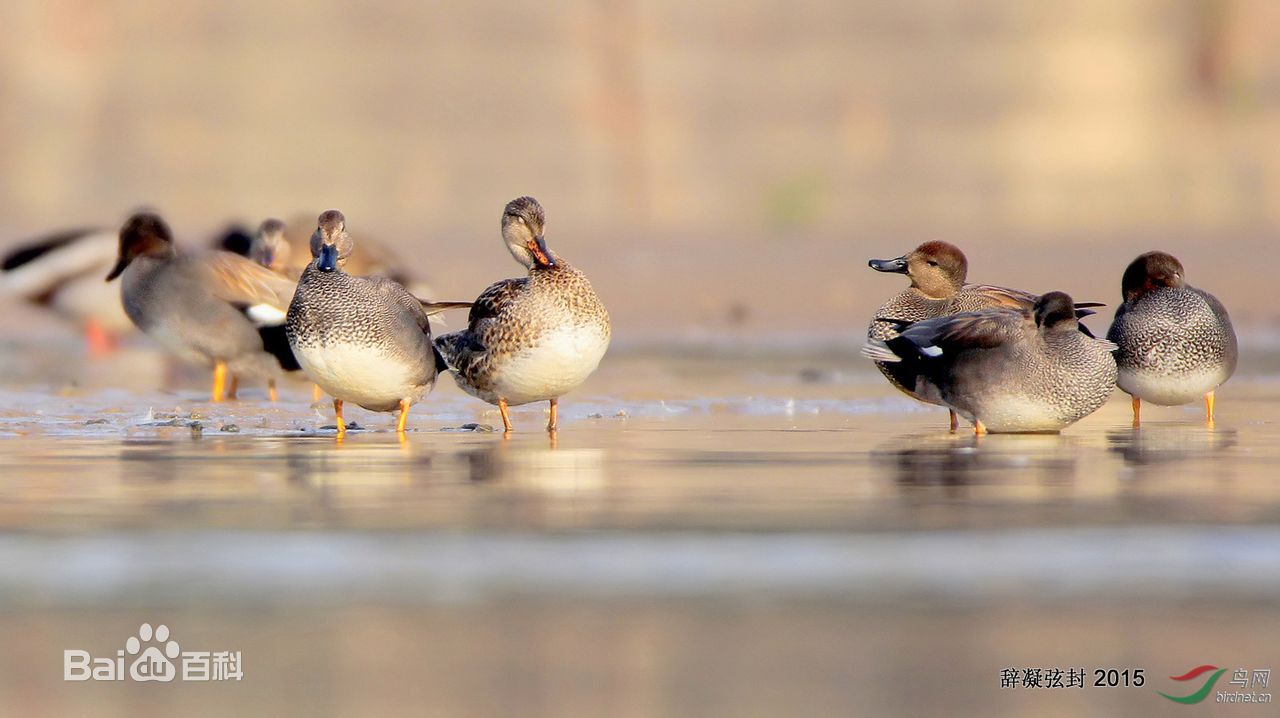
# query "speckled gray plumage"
(333, 311)
(1176, 335)
(911, 305)
(515, 315)
(1000, 367)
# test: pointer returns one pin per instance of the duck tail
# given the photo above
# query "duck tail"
(436, 307)
(877, 350)
(442, 365)
(276, 343)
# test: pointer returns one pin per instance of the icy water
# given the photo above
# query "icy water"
(774, 535)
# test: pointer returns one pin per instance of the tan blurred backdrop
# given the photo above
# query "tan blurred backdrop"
(712, 165)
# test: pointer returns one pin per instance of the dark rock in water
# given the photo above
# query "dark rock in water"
(230, 429)
(91, 422)
(471, 426)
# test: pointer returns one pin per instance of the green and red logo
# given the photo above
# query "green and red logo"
(1204, 689)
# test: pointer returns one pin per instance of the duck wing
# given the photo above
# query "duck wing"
(968, 330)
(264, 294)
(493, 301)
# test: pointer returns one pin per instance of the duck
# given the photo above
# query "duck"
(215, 308)
(269, 248)
(364, 340)
(937, 271)
(1008, 370)
(1175, 342)
(63, 271)
(534, 338)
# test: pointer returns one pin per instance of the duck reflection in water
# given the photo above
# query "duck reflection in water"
(1154, 444)
(932, 460)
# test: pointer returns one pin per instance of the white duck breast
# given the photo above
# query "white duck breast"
(560, 362)
(1171, 389)
(362, 374)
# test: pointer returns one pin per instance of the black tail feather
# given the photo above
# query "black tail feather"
(276, 343)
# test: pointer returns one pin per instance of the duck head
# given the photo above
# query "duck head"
(330, 243)
(523, 222)
(1055, 311)
(143, 235)
(937, 269)
(269, 247)
(1153, 270)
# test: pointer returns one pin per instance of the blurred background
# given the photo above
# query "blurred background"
(718, 532)
(724, 165)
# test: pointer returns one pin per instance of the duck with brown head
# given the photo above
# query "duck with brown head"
(1176, 343)
(937, 271)
(1008, 370)
(208, 308)
(534, 338)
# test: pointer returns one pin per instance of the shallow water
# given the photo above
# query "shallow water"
(703, 536)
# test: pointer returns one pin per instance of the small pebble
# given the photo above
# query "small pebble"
(230, 429)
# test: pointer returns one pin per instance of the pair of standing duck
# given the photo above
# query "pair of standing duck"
(366, 339)
(1011, 361)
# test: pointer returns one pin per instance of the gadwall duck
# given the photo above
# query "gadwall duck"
(1175, 342)
(63, 272)
(937, 271)
(216, 308)
(366, 340)
(534, 338)
(1009, 370)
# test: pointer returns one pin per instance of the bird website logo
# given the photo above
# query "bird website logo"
(1244, 680)
(152, 655)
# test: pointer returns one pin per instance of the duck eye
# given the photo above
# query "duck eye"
(932, 263)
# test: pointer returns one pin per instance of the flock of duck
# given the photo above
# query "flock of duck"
(1012, 361)
(1004, 359)
(364, 339)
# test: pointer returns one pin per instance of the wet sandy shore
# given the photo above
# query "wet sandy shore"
(780, 534)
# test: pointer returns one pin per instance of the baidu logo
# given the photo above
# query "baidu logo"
(152, 656)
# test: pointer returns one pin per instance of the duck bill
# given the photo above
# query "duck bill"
(538, 248)
(116, 270)
(895, 266)
(328, 260)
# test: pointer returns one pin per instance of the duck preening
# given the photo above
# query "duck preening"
(534, 338)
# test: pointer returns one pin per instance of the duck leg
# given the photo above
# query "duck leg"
(337, 412)
(1137, 411)
(506, 419)
(978, 428)
(1208, 408)
(404, 416)
(100, 342)
(316, 394)
(271, 391)
(551, 423)
(234, 388)
(955, 420)
(219, 381)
